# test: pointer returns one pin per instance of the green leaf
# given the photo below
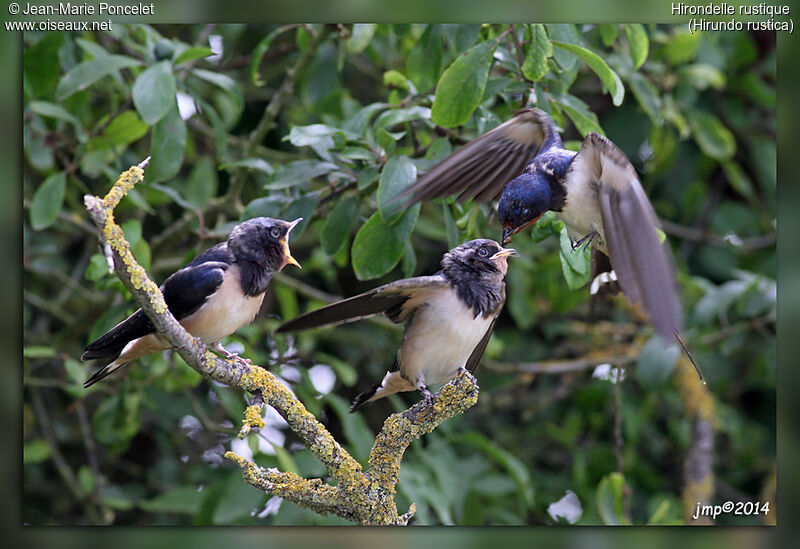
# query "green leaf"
(393, 117)
(574, 263)
(647, 95)
(35, 451)
(300, 171)
(201, 185)
(564, 33)
(87, 73)
(190, 54)
(538, 50)
(154, 92)
(409, 260)
(425, 60)
(703, 75)
(585, 120)
(397, 175)
(40, 64)
(116, 420)
(378, 246)
(608, 33)
(360, 37)
(258, 164)
(126, 128)
(301, 207)
(713, 138)
(38, 351)
(168, 146)
(739, 180)
(610, 78)
(450, 227)
(47, 201)
(338, 224)
(609, 500)
(225, 82)
(656, 362)
(681, 47)
(51, 110)
(395, 79)
(638, 43)
(461, 86)
(285, 461)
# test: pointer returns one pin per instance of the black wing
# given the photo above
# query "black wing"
(644, 266)
(397, 299)
(477, 353)
(482, 167)
(184, 292)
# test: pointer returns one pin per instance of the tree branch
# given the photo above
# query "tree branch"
(365, 497)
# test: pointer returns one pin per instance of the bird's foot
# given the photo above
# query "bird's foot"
(427, 397)
(586, 240)
(217, 347)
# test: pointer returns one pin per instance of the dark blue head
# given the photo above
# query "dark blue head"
(524, 200)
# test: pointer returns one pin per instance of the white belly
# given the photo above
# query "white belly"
(440, 339)
(224, 312)
(581, 214)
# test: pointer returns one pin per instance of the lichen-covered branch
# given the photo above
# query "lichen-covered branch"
(366, 497)
(698, 469)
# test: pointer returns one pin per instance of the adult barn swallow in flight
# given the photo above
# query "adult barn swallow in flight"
(220, 291)
(595, 192)
(449, 317)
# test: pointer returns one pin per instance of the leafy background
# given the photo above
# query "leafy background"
(329, 123)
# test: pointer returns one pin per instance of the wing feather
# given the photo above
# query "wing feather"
(483, 166)
(644, 266)
(397, 299)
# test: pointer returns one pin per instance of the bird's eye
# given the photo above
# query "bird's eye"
(483, 252)
(275, 232)
(526, 212)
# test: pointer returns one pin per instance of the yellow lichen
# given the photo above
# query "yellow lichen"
(252, 417)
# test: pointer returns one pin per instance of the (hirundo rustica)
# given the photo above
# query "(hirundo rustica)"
(448, 317)
(595, 192)
(217, 293)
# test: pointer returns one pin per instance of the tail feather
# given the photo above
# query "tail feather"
(112, 342)
(110, 366)
(364, 397)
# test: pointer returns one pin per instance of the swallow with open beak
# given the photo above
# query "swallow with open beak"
(217, 293)
(595, 192)
(448, 317)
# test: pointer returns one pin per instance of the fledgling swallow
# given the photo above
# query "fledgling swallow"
(448, 317)
(595, 192)
(217, 293)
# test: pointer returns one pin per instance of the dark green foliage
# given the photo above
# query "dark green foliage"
(330, 124)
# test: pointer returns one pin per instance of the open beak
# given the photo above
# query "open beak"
(504, 252)
(286, 252)
(509, 233)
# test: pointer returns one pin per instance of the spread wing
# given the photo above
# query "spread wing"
(482, 167)
(398, 300)
(644, 266)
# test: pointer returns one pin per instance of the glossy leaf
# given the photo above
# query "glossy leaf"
(360, 36)
(168, 145)
(338, 224)
(537, 52)
(608, 33)
(610, 78)
(397, 175)
(638, 43)
(460, 87)
(47, 201)
(154, 92)
(378, 246)
(711, 135)
(193, 54)
(87, 73)
(425, 60)
(574, 263)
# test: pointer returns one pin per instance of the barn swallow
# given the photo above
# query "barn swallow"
(217, 293)
(448, 317)
(595, 192)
